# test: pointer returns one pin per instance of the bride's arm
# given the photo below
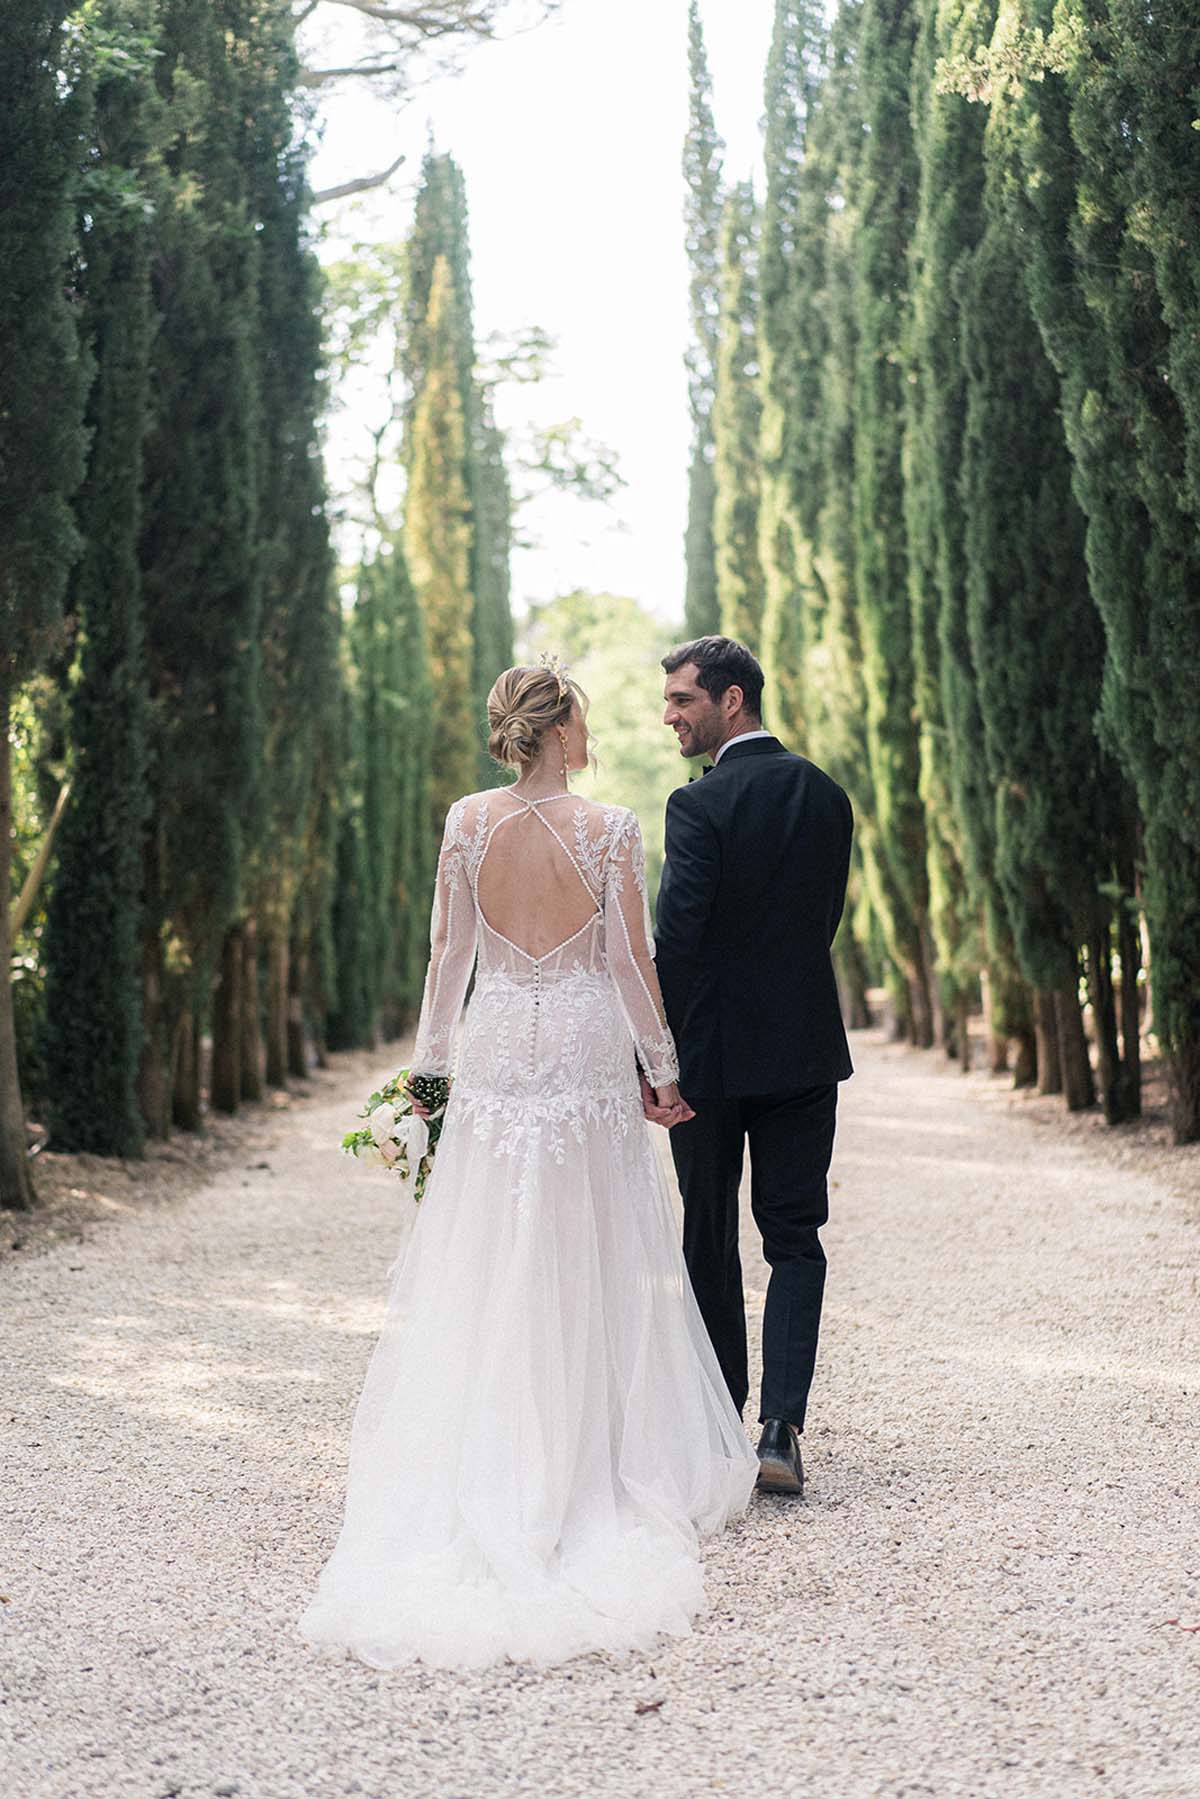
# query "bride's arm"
(629, 949)
(452, 939)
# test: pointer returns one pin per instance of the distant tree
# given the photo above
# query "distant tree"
(946, 228)
(437, 547)
(736, 425)
(702, 153)
(791, 339)
(440, 232)
(885, 189)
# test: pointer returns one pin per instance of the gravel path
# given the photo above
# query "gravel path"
(987, 1592)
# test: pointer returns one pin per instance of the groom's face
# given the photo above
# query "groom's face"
(695, 717)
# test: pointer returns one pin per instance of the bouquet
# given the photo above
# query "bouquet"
(395, 1134)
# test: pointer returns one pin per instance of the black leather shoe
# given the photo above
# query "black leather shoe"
(780, 1469)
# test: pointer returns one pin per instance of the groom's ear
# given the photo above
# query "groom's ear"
(737, 695)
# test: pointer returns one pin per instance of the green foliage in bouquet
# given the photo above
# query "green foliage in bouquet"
(394, 1134)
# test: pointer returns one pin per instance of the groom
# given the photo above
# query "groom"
(757, 855)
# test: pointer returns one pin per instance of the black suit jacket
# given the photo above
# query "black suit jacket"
(757, 855)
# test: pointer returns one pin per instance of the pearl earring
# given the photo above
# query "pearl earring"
(562, 738)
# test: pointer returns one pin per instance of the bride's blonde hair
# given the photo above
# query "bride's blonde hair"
(523, 705)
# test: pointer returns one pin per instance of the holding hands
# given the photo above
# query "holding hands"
(664, 1105)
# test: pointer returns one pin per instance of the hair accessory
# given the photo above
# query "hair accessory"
(549, 660)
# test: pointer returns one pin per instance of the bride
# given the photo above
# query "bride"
(544, 1433)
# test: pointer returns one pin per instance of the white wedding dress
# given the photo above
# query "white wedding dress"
(544, 1433)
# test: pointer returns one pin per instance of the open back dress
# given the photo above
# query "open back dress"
(544, 1434)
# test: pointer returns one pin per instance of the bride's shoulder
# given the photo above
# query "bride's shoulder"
(606, 825)
(466, 813)
(604, 812)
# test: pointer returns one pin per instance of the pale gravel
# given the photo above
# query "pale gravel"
(972, 1602)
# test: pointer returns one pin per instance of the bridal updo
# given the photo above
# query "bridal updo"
(523, 705)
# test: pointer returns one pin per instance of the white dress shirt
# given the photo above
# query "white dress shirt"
(742, 737)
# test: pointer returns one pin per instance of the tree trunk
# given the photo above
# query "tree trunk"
(154, 1064)
(296, 1044)
(922, 1009)
(996, 1040)
(1025, 1069)
(252, 1041)
(1144, 961)
(277, 1005)
(1104, 1017)
(962, 1029)
(185, 1096)
(226, 1085)
(1184, 1071)
(899, 1024)
(1045, 1026)
(16, 1184)
(1129, 948)
(941, 1022)
(1077, 1082)
(852, 981)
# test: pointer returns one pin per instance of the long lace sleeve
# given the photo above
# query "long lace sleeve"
(629, 952)
(452, 943)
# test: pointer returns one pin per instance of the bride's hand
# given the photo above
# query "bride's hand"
(670, 1106)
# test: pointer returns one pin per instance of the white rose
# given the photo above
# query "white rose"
(382, 1122)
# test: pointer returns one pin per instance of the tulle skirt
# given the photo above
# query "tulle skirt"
(544, 1434)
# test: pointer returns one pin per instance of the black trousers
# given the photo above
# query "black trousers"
(791, 1143)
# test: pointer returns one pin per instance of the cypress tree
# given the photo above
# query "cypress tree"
(440, 230)
(379, 658)
(1035, 640)
(736, 424)
(299, 629)
(93, 986)
(1095, 143)
(437, 546)
(42, 446)
(946, 228)
(885, 189)
(791, 336)
(200, 569)
(702, 152)
(833, 679)
(412, 891)
(349, 1025)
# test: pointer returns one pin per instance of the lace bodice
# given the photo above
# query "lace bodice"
(539, 891)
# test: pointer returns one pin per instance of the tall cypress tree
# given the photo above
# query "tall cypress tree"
(737, 415)
(1035, 641)
(946, 228)
(702, 152)
(93, 987)
(200, 568)
(42, 446)
(440, 230)
(833, 681)
(299, 627)
(416, 848)
(437, 545)
(885, 197)
(1094, 144)
(791, 335)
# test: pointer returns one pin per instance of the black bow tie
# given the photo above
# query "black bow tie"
(708, 770)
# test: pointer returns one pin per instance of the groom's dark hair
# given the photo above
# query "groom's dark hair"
(721, 662)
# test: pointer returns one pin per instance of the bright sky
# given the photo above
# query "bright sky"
(569, 137)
